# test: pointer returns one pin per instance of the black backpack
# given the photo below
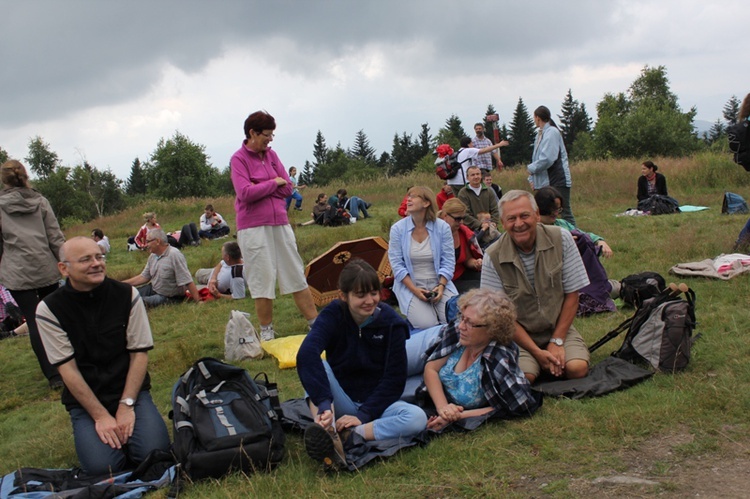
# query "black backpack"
(637, 288)
(660, 333)
(739, 143)
(449, 166)
(225, 421)
(659, 205)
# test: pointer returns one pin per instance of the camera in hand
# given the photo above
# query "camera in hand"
(430, 295)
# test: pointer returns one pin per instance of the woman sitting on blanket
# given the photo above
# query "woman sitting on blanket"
(472, 369)
(364, 372)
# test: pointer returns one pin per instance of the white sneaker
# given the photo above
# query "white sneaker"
(352, 220)
(267, 334)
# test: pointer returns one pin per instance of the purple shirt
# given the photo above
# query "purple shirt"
(259, 200)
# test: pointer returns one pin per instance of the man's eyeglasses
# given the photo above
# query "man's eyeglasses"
(460, 318)
(151, 240)
(88, 260)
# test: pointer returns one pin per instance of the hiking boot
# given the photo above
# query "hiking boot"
(325, 446)
(267, 334)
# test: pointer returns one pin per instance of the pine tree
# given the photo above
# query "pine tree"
(731, 110)
(136, 183)
(362, 149)
(320, 151)
(425, 141)
(3, 155)
(306, 177)
(715, 133)
(455, 128)
(522, 136)
(574, 120)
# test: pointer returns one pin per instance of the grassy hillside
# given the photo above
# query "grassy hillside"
(698, 414)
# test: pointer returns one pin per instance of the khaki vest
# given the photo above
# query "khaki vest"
(539, 307)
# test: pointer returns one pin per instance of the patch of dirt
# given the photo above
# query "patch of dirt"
(657, 470)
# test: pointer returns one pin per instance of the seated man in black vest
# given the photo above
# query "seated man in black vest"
(96, 332)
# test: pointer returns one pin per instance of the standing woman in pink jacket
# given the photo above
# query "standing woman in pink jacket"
(265, 237)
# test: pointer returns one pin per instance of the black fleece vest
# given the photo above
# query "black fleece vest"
(96, 323)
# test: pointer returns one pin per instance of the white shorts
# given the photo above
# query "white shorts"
(270, 253)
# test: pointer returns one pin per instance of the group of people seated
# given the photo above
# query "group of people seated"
(338, 209)
(470, 367)
(212, 226)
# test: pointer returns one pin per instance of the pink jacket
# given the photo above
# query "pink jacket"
(259, 200)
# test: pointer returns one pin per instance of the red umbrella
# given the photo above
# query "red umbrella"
(323, 272)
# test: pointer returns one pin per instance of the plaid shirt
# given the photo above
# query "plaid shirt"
(483, 161)
(5, 297)
(505, 387)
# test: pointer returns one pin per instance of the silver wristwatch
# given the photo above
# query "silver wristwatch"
(128, 402)
(556, 341)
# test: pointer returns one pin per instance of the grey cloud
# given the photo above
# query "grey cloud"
(60, 57)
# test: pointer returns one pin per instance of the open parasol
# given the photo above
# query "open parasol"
(323, 272)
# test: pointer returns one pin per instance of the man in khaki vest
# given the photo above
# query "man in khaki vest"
(539, 268)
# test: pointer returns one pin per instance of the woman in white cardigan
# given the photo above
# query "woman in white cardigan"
(422, 257)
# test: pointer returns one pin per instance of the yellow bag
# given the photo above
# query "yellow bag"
(285, 349)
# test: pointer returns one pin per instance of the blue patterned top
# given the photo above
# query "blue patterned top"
(464, 389)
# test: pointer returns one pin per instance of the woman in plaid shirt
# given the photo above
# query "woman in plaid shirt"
(473, 368)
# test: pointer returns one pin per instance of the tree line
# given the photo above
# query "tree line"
(644, 121)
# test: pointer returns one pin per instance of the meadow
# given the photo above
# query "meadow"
(679, 434)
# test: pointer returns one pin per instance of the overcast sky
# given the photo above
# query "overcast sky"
(105, 80)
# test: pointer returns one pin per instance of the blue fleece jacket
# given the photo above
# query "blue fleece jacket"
(368, 362)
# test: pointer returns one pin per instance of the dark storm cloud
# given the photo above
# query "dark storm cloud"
(62, 57)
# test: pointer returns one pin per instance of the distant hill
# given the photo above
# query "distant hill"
(702, 126)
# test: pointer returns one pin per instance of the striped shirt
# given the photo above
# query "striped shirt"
(574, 275)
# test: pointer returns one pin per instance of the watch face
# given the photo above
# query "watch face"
(128, 402)
(557, 341)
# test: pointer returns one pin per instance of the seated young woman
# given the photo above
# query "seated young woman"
(357, 388)
(468, 270)
(650, 182)
(473, 368)
(423, 261)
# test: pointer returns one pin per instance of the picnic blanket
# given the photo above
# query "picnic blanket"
(609, 375)
(359, 452)
(722, 267)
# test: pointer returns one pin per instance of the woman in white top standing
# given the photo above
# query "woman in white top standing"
(423, 261)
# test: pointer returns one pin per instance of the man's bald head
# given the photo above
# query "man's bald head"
(82, 263)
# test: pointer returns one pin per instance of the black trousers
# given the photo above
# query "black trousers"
(27, 301)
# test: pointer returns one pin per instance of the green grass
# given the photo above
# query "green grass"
(566, 440)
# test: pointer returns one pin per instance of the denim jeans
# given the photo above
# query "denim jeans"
(399, 420)
(356, 205)
(567, 213)
(214, 233)
(98, 458)
(297, 198)
(153, 299)
(416, 345)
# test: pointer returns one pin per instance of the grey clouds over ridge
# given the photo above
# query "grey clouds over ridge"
(108, 79)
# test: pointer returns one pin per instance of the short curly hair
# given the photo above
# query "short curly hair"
(495, 310)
